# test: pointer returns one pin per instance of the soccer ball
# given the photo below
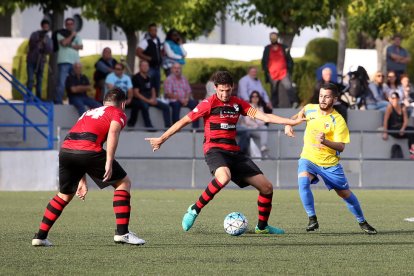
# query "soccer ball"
(235, 224)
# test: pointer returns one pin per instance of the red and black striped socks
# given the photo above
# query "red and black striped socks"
(52, 213)
(122, 210)
(212, 189)
(264, 205)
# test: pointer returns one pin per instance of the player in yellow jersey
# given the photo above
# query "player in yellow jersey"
(325, 137)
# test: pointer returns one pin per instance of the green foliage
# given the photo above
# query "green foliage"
(323, 49)
(304, 75)
(408, 44)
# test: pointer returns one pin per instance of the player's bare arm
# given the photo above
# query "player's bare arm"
(288, 128)
(111, 145)
(338, 146)
(274, 119)
(157, 142)
(82, 188)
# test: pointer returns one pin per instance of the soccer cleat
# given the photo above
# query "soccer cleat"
(313, 224)
(189, 218)
(269, 230)
(367, 228)
(40, 242)
(130, 238)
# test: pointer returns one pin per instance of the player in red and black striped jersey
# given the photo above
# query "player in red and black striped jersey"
(221, 113)
(82, 153)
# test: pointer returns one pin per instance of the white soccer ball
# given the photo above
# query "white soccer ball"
(235, 224)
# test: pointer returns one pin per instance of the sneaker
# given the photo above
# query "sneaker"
(40, 242)
(269, 230)
(130, 238)
(189, 218)
(313, 224)
(367, 228)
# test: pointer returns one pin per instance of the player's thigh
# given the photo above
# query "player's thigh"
(242, 169)
(96, 170)
(334, 178)
(70, 172)
(308, 169)
(223, 175)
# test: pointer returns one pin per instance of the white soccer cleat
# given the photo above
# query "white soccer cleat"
(130, 238)
(40, 242)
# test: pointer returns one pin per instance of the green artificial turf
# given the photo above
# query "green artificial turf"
(83, 236)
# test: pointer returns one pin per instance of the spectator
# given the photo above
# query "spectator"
(40, 45)
(120, 80)
(103, 67)
(144, 97)
(392, 83)
(77, 84)
(250, 83)
(396, 119)
(174, 51)
(257, 102)
(69, 45)
(376, 96)
(278, 65)
(397, 57)
(149, 49)
(406, 93)
(210, 89)
(178, 92)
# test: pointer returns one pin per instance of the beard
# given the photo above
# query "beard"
(325, 107)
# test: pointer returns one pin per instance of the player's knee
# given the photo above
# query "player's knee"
(266, 188)
(66, 197)
(124, 184)
(223, 179)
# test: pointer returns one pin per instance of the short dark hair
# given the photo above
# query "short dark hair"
(223, 78)
(332, 87)
(70, 19)
(395, 95)
(115, 96)
(120, 64)
(44, 21)
(152, 25)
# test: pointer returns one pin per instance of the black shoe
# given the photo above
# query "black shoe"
(367, 228)
(313, 224)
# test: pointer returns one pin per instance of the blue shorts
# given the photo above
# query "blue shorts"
(334, 177)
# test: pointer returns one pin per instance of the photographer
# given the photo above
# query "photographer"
(40, 45)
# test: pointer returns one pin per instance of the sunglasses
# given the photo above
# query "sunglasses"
(391, 76)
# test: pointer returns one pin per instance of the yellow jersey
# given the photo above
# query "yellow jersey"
(335, 129)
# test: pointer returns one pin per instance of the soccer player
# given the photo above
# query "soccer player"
(221, 113)
(325, 137)
(82, 154)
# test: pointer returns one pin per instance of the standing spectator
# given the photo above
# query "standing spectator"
(392, 83)
(103, 67)
(144, 97)
(69, 45)
(178, 91)
(149, 49)
(256, 101)
(397, 57)
(174, 51)
(77, 84)
(40, 45)
(120, 80)
(376, 96)
(278, 65)
(250, 83)
(396, 119)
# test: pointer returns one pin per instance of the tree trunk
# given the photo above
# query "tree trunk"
(132, 41)
(380, 46)
(53, 74)
(286, 39)
(343, 30)
(6, 24)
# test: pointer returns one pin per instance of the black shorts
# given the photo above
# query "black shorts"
(73, 165)
(239, 164)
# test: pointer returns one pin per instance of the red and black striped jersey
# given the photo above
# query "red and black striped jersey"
(220, 120)
(91, 130)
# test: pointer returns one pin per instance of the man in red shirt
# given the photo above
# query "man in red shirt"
(82, 153)
(221, 113)
(278, 65)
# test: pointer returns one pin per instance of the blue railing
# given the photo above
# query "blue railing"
(46, 109)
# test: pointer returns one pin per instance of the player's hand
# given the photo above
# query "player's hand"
(108, 171)
(155, 143)
(385, 136)
(289, 131)
(402, 132)
(82, 189)
(320, 137)
(299, 118)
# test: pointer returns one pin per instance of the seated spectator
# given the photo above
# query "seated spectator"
(257, 102)
(210, 89)
(174, 51)
(144, 97)
(250, 83)
(392, 83)
(103, 67)
(396, 119)
(177, 91)
(406, 93)
(376, 98)
(121, 80)
(77, 85)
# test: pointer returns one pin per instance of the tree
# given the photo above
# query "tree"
(288, 17)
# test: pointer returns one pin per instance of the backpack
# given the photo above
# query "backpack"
(396, 152)
(358, 82)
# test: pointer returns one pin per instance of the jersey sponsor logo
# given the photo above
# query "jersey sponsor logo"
(227, 126)
(236, 107)
(327, 125)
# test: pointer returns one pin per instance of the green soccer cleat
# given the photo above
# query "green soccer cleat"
(269, 230)
(189, 218)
